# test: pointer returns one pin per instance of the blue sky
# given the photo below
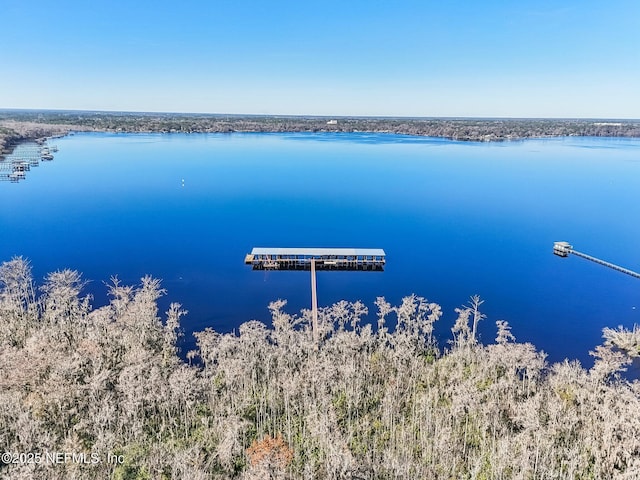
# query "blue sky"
(406, 58)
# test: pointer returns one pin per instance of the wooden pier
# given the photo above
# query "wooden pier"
(564, 249)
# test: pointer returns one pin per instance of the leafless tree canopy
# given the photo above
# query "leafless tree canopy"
(268, 402)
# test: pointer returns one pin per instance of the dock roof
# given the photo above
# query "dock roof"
(313, 252)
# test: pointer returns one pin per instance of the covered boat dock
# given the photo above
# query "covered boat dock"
(312, 259)
(363, 259)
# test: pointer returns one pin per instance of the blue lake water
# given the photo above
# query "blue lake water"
(454, 218)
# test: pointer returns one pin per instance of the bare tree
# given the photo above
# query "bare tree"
(269, 402)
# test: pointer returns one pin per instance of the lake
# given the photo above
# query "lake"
(455, 219)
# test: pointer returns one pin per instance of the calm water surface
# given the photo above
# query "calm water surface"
(455, 219)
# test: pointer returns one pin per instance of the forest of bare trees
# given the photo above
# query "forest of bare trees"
(103, 392)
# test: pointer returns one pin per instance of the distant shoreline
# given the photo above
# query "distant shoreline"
(13, 132)
(17, 126)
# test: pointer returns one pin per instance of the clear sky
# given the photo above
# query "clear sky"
(487, 58)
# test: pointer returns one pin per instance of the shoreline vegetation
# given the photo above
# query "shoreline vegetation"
(109, 386)
(18, 126)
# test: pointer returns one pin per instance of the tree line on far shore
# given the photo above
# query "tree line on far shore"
(18, 125)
